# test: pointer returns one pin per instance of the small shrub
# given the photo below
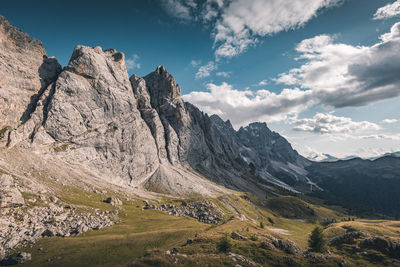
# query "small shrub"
(253, 238)
(224, 245)
(61, 148)
(3, 131)
(262, 225)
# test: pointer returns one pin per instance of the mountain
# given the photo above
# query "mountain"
(367, 188)
(86, 147)
(138, 132)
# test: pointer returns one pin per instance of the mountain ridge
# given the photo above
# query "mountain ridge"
(139, 131)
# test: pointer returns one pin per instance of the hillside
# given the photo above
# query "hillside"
(366, 187)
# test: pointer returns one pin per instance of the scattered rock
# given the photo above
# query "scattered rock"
(236, 236)
(287, 246)
(113, 201)
(347, 238)
(383, 245)
(204, 211)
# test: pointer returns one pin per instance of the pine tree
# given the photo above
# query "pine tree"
(317, 240)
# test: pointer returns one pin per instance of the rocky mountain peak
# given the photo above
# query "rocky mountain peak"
(25, 73)
(163, 88)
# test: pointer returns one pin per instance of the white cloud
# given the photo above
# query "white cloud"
(243, 21)
(132, 62)
(388, 11)
(195, 63)
(382, 136)
(332, 75)
(263, 82)
(244, 106)
(329, 124)
(225, 74)
(205, 70)
(389, 121)
(341, 75)
(237, 24)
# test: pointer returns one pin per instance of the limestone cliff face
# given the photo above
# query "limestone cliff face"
(25, 73)
(94, 109)
(133, 131)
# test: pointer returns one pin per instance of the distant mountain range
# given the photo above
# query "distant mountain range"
(323, 157)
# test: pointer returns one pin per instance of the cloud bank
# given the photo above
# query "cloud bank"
(329, 124)
(332, 75)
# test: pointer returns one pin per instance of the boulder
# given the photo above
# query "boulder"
(113, 201)
(11, 197)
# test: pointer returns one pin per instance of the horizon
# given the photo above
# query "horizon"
(283, 71)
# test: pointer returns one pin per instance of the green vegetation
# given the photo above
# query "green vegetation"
(61, 148)
(317, 241)
(142, 237)
(224, 245)
(3, 131)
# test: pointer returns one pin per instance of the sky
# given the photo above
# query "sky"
(325, 74)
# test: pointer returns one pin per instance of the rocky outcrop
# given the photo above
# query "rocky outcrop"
(25, 74)
(347, 238)
(203, 211)
(23, 227)
(382, 244)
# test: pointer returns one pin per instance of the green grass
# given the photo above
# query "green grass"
(117, 245)
(140, 231)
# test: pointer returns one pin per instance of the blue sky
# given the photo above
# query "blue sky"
(235, 58)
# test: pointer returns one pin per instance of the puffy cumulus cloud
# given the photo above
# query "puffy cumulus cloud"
(389, 121)
(206, 70)
(341, 75)
(329, 124)
(388, 11)
(225, 74)
(332, 75)
(244, 106)
(243, 21)
(132, 62)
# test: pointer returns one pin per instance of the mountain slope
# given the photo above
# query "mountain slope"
(365, 187)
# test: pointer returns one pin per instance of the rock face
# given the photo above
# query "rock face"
(134, 131)
(25, 73)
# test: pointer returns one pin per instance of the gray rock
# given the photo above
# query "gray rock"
(113, 201)
(25, 74)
